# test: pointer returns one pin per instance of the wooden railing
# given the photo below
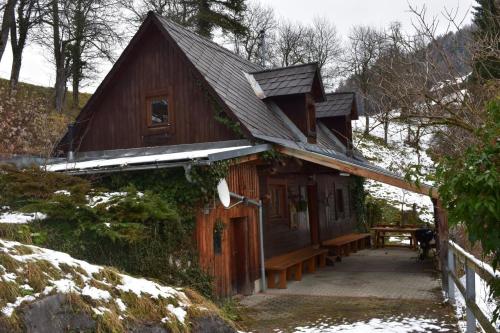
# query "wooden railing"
(472, 267)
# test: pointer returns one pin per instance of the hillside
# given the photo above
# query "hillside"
(397, 157)
(37, 283)
(29, 123)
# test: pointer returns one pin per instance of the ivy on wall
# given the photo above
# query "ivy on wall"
(145, 230)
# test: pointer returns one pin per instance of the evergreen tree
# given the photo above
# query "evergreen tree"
(203, 16)
(225, 14)
(487, 20)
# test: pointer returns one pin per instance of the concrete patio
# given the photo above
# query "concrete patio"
(385, 273)
(387, 284)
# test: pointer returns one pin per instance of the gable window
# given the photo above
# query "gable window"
(158, 111)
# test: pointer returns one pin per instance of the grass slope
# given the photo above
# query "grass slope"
(114, 300)
(29, 123)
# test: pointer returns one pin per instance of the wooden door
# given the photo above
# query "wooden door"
(240, 260)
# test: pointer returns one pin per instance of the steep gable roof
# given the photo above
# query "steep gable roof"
(337, 104)
(290, 80)
(225, 73)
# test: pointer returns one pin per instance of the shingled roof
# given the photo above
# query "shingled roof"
(225, 72)
(337, 104)
(290, 80)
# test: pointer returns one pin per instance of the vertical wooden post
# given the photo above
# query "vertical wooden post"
(441, 221)
(470, 296)
(451, 270)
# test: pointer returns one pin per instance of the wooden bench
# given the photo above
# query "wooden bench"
(344, 245)
(292, 263)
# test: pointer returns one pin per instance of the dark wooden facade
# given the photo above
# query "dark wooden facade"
(236, 266)
(341, 126)
(156, 66)
(312, 210)
(309, 213)
(301, 205)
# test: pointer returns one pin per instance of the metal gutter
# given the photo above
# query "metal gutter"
(239, 152)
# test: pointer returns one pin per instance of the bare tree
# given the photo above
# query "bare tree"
(423, 83)
(323, 46)
(290, 46)
(360, 55)
(7, 20)
(83, 32)
(257, 19)
(94, 34)
(29, 14)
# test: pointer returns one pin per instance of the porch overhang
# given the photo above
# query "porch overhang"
(358, 168)
(156, 157)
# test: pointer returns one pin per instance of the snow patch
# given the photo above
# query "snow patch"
(21, 218)
(96, 293)
(178, 312)
(402, 325)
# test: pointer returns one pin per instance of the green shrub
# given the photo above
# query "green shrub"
(146, 233)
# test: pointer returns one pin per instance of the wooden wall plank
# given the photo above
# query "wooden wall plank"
(118, 119)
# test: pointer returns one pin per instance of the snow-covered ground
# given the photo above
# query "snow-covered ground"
(397, 157)
(67, 274)
(398, 325)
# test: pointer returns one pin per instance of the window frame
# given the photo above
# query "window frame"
(148, 98)
(285, 212)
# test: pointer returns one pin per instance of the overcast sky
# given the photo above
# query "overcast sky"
(343, 13)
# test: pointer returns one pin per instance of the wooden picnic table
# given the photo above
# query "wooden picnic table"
(380, 234)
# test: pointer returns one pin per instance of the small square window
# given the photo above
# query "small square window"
(158, 111)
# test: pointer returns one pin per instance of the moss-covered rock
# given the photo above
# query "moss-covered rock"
(47, 291)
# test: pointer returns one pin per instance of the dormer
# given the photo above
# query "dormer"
(296, 90)
(336, 113)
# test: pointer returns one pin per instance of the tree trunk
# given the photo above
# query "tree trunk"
(60, 89)
(8, 17)
(16, 69)
(367, 124)
(386, 131)
(76, 94)
(17, 44)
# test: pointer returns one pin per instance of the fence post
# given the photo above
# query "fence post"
(470, 296)
(451, 270)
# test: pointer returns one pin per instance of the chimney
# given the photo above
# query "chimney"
(262, 37)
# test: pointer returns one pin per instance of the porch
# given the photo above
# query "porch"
(393, 272)
(384, 286)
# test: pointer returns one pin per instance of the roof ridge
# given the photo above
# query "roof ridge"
(340, 93)
(285, 67)
(210, 43)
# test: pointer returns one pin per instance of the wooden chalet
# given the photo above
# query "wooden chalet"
(174, 98)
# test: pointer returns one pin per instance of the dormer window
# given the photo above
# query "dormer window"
(158, 111)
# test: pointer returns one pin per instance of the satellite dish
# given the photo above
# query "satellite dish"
(223, 190)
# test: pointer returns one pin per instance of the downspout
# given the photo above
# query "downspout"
(263, 285)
